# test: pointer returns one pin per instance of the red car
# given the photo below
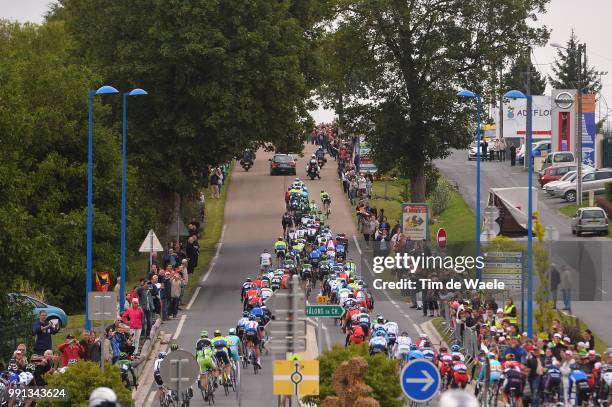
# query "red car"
(554, 173)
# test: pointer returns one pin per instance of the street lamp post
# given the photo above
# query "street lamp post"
(516, 94)
(104, 90)
(469, 94)
(135, 92)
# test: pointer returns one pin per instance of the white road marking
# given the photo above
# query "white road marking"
(150, 398)
(357, 244)
(210, 269)
(179, 327)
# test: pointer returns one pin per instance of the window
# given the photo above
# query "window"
(563, 157)
(283, 158)
(603, 175)
(589, 177)
(562, 170)
(593, 214)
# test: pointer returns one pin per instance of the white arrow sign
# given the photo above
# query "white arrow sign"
(428, 381)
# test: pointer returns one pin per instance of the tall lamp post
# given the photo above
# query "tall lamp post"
(578, 139)
(135, 92)
(469, 94)
(104, 90)
(517, 94)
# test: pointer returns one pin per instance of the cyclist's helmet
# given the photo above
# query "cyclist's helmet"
(491, 355)
(455, 348)
(252, 317)
(204, 334)
(232, 331)
(161, 355)
(280, 238)
(248, 280)
(379, 332)
(322, 191)
(246, 314)
(443, 349)
(404, 333)
(426, 343)
(363, 309)
(380, 319)
(424, 336)
(456, 357)
(413, 346)
(217, 332)
(510, 356)
(122, 355)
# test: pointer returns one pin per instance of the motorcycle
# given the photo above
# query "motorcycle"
(313, 173)
(322, 161)
(246, 164)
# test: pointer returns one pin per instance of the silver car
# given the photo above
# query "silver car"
(593, 181)
(590, 219)
(554, 185)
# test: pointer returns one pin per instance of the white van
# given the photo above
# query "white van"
(556, 158)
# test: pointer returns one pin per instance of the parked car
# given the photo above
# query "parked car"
(282, 164)
(590, 219)
(552, 186)
(593, 181)
(54, 314)
(473, 151)
(557, 158)
(537, 150)
(556, 172)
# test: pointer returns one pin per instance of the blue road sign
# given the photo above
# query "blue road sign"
(420, 380)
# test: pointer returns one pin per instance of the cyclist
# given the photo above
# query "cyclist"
(552, 382)
(392, 330)
(252, 337)
(402, 347)
(221, 349)
(125, 366)
(206, 361)
(513, 379)
(280, 248)
(203, 342)
(583, 391)
(414, 353)
(326, 200)
(379, 323)
(242, 323)
(235, 345)
(245, 287)
(378, 343)
(265, 261)
(157, 374)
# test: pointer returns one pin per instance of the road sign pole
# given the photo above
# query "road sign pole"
(102, 338)
(320, 335)
(178, 382)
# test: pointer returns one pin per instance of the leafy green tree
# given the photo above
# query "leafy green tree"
(43, 167)
(82, 378)
(410, 58)
(382, 374)
(567, 68)
(221, 75)
(516, 78)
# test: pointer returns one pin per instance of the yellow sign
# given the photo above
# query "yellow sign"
(322, 299)
(299, 378)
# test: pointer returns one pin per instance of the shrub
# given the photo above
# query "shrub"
(440, 197)
(382, 374)
(82, 378)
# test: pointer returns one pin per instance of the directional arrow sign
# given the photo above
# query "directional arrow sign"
(334, 311)
(420, 380)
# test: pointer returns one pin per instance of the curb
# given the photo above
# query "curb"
(430, 330)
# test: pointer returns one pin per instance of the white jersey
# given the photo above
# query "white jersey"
(391, 328)
(311, 231)
(403, 345)
(300, 233)
(265, 259)
(242, 322)
(292, 235)
(156, 365)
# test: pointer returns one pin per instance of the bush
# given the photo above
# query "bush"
(382, 374)
(82, 378)
(440, 197)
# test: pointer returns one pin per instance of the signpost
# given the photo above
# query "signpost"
(506, 267)
(287, 330)
(329, 311)
(149, 245)
(441, 238)
(179, 369)
(420, 380)
(102, 307)
(296, 378)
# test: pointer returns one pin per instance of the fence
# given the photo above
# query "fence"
(468, 339)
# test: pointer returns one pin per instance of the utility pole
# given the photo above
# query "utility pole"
(578, 145)
(528, 109)
(501, 100)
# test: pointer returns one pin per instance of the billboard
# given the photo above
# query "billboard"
(415, 221)
(515, 112)
(563, 116)
(588, 129)
(366, 164)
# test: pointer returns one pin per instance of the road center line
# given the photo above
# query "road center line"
(179, 327)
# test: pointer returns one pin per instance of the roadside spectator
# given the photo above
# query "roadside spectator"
(42, 332)
(175, 294)
(170, 259)
(193, 252)
(589, 339)
(70, 350)
(214, 185)
(483, 149)
(565, 285)
(146, 303)
(42, 365)
(134, 316)
(182, 271)
(91, 347)
(512, 155)
(502, 149)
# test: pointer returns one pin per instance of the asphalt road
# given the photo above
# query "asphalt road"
(255, 204)
(588, 257)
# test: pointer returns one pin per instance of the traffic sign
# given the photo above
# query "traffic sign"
(151, 243)
(441, 238)
(293, 377)
(420, 380)
(179, 370)
(333, 311)
(322, 299)
(102, 305)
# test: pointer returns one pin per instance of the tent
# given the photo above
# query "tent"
(512, 204)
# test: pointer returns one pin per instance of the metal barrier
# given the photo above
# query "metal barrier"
(468, 339)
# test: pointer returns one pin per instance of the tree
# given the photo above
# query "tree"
(516, 78)
(411, 58)
(567, 67)
(221, 75)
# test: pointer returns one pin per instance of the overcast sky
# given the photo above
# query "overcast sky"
(590, 19)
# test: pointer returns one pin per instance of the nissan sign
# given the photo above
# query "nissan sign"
(564, 100)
